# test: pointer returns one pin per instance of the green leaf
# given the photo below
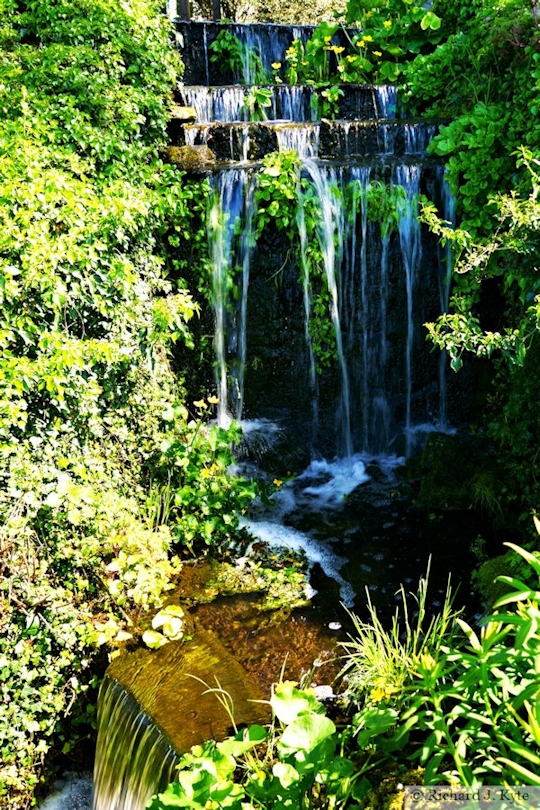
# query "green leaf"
(243, 741)
(153, 639)
(528, 777)
(431, 21)
(286, 774)
(288, 701)
(306, 732)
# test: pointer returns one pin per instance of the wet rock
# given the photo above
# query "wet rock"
(179, 116)
(190, 158)
(171, 686)
(184, 114)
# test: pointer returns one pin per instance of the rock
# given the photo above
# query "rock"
(171, 685)
(187, 115)
(189, 158)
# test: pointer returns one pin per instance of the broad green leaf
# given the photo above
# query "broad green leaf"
(430, 20)
(286, 774)
(243, 741)
(288, 701)
(153, 639)
(307, 732)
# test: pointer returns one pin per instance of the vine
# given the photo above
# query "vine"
(286, 199)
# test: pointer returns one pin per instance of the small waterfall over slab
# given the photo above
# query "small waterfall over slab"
(155, 705)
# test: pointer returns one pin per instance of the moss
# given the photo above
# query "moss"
(277, 576)
(189, 158)
(172, 686)
(486, 575)
(388, 781)
(184, 114)
(459, 473)
(508, 565)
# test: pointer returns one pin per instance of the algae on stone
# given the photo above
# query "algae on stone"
(190, 158)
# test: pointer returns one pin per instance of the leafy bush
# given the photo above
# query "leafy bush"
(296, 762)
(468, 710)
(94, 432)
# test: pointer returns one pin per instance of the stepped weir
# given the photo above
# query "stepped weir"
(381, 381)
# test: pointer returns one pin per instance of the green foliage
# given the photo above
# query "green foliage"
(257, 100)
(379, 662)
(207, 501)
(231, 54)
(311, 63)
(385, 205)
(380, 37)
(388, 35)
(465, 704)
(508, 255)
(476, 144)
(296, 762)
(277, 190)
(92, 302)
(484, 77)
(328, 101)
(468, 709)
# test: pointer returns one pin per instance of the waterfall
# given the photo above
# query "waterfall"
(230, 250)
(381, 288)
(269, 42)
(306, 291)
(133, 759)
(377, 349)
(330, 237)
(408, 176)
(449, 214)
(304, 139)
(385, 100)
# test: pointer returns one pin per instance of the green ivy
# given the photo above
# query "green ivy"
(107, 477)
(232, 55)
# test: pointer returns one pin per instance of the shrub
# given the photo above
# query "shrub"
(469, 709)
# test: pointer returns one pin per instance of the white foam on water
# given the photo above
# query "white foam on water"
(264, 426)
(278, 536)
(72, 792)
(342, 477)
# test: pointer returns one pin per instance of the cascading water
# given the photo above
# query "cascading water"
(408, 177)
(329, 235)
(376, 303)
(379, 287)
(134, 760)
(232, 202)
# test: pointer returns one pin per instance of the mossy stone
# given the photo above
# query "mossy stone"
(186, 115)
(190, 158)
